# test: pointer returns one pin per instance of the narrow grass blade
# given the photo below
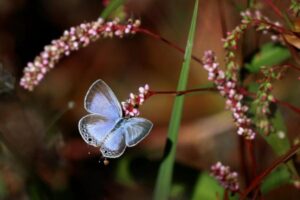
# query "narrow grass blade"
(112, 6)
(163, 182)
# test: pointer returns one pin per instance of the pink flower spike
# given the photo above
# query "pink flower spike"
(223, 174)
(131, 105)
(72, 40)
(229, 90)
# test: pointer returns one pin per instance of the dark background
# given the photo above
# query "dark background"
(42, 155)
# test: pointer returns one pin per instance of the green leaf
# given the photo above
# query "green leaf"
(112, 6)
(3, 189)
(269, 55)
(123, 175)
(278, 177)
(208, 188)
(164, 178)
(280, 144)
(177, 191)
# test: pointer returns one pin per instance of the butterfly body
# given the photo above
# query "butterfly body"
(105, 126)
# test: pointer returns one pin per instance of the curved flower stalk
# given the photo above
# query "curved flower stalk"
(264, 98)
(72, 40)
(249, 19)
(229, 90)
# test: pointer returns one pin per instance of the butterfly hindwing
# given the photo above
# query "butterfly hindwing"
(114, 144)
(101, 100)
(94, 128)
(136, 129)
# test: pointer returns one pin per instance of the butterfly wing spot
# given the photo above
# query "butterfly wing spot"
(85, 134)
(94, 128)
(114, 145)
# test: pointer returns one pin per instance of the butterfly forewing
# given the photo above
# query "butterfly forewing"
(114, 144)
(136, 129)
(94, 128)
(101, 100)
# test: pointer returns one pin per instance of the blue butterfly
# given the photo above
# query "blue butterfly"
(106, 127)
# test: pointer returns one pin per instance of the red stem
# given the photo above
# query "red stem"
(288, 105)
(222, 18)
(252, 156)
(283, 103)
(274, 8)
(243, 160)
(156, 36)
(178, 93)
(292, 67)
(277, 162)
(225, 197)
(241, 90)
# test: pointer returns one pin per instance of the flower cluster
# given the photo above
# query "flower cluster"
(262, 107)
(264, 98)
(295, 7)
(131, 105)
(230, 45)
(228, 179)
(229, 90)
(261, 22)
(72, 40)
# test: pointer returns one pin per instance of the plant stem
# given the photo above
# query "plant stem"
(165, 172)
(222, 18)
(213, 89)
(277, 101)
(293, 67)
(274, 8)
(279, 13)
(243, 160)
(225, 197)
(252, 157)
(277, 162)
(288, 105)
(168, 42)
(183, 92)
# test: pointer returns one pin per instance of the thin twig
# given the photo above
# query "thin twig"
(243, 160)
(179, 93)
(259, 178)
(166, 41)
(252, 157)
